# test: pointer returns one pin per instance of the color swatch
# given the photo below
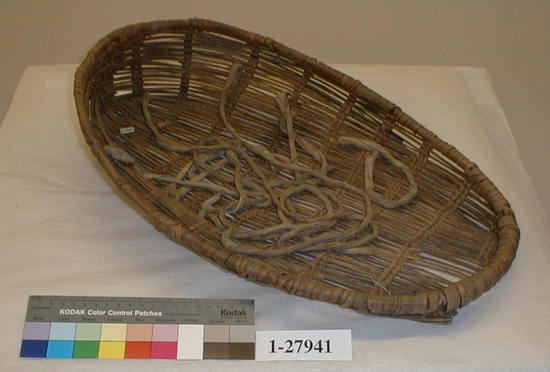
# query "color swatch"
(75, 333)
(137, 341)
(229, 341)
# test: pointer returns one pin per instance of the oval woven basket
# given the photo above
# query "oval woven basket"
(281, 170)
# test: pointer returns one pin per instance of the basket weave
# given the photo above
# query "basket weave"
(281, 170)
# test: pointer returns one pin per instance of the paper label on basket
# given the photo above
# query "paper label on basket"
(127, 130)
(304, 345)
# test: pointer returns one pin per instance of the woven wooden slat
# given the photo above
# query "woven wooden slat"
(290, 174)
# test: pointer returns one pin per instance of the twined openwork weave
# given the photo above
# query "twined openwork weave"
(279, 169)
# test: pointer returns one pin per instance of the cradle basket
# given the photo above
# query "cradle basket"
(281, 170)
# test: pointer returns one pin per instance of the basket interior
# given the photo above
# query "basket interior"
(445, 234)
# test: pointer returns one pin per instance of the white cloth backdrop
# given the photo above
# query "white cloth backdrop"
(63, 231)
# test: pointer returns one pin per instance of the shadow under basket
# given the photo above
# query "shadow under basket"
(290, 174)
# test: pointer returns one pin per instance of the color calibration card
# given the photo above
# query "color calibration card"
(138, 328)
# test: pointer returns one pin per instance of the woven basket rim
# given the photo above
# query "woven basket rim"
(448, 299)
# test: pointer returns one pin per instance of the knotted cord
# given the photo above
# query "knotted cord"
(229, 169)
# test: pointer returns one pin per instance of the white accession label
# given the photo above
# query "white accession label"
(304, 345)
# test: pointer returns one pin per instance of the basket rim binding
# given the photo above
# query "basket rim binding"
(434, 305)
